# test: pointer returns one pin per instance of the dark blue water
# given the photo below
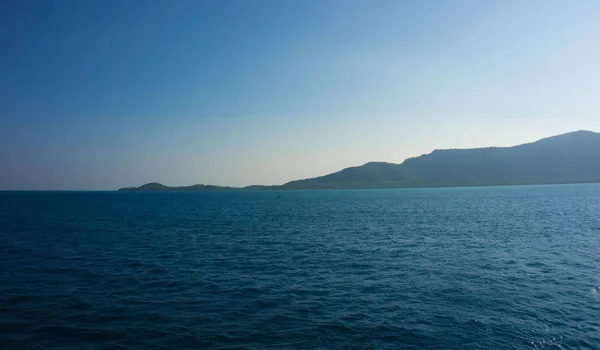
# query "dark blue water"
(471, 268)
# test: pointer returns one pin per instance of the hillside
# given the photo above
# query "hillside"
(569, 158)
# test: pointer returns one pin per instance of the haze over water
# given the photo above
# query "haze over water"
(453, 268)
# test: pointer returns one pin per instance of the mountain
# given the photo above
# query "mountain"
(569, 158)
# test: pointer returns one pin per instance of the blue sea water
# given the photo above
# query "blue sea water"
(451, 268)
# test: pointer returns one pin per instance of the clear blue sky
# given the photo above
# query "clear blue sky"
(106, 94)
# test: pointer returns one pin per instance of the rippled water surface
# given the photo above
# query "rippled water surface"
(470, 268)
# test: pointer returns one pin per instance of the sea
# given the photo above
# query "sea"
(514, 267)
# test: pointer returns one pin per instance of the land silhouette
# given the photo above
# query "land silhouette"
(568, 158)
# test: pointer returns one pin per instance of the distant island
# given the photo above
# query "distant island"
(569, 158)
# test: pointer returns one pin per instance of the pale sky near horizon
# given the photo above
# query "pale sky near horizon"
(108, 94)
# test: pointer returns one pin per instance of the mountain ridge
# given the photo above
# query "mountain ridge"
(572, 157)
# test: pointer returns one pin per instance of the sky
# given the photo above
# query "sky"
(98, 95)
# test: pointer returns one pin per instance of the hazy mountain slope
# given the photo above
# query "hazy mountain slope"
(572, 157)
(374, 174)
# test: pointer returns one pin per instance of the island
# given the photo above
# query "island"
(568, 158)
